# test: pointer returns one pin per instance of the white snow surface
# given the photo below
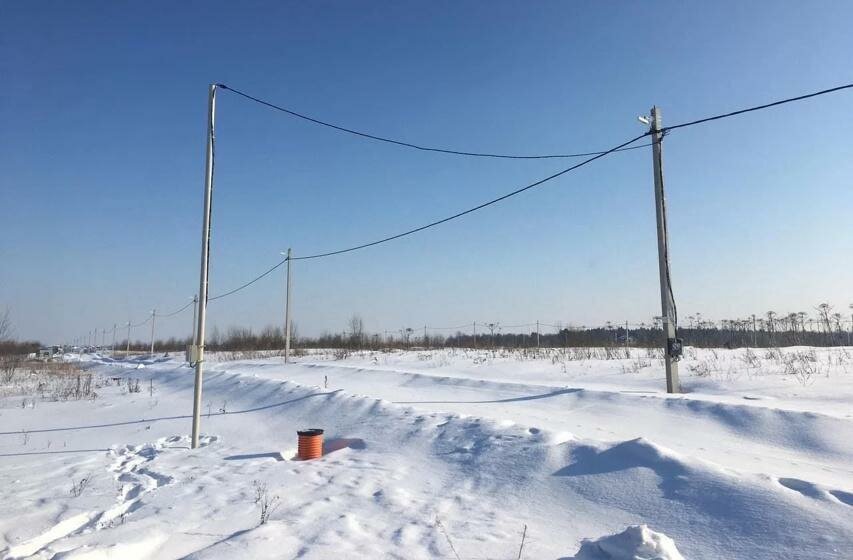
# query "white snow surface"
(430, 454)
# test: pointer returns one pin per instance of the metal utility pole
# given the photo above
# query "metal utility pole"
(626, 336)
(103, 338)
(127, 352)
(475, 334)
(153, 317)
(195, 314)
(287, 312)
(672, 346)
(754, 334)
(537, 335)
(850, 332)
(114, 339)
(198, 350)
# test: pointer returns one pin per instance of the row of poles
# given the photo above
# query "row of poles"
(91, 338)
(197, 350)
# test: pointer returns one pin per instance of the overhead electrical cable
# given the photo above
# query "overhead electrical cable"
(173, 313)
(249, 283)
(416, 146)
(475, 208)
(592, 157)
(757, 107)
(435, 223)
(133, 326)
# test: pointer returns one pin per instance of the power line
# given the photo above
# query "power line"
(432, 224)
(133, 326)
(466, 325)
(757, 107)
(594, 155)
(475, 208)
(249, 283)
(173, 313)
(409, 144)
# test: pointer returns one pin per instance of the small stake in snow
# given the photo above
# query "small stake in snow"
(523, 537)
(447, 537)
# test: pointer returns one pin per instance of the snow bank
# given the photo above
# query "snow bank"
(637, 542)
(484, 457)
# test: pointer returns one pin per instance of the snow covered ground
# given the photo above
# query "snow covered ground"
(439, 454)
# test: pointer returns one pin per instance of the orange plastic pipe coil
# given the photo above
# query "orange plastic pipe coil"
(310, 444)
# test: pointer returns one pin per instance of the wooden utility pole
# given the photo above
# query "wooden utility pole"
(672, 347)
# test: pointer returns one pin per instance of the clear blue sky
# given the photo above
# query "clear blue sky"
(103, 107)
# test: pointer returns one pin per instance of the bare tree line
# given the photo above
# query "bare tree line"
(826, 327)
(8, 345)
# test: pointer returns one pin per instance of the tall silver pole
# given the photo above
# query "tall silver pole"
(114, 338)
(127, 352)
(205, 256)
(153, 317)
(195, 314)
(667, 304)
(537, 335)
(287, 313)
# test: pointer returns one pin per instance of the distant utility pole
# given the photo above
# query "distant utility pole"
(626, 335)
(425, 336)
(287, 313)
(103, 338)
(127, 352)
(672, 346)
(153, 317)
(198, 350)
(537, 335)
(850, 332)
(113, 351)
(754, 334)
(475, 334)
